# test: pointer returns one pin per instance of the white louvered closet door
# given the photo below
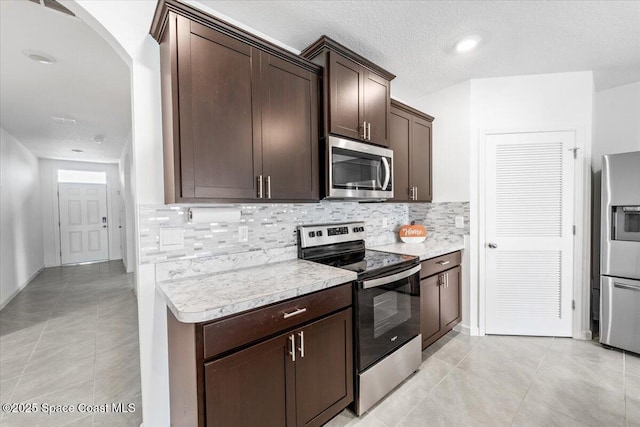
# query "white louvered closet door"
(529, 220)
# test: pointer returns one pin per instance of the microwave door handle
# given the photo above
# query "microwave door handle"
(389, 279)
(387, 172)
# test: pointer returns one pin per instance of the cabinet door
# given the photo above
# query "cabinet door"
(218, 83)
(420, 159)
(289, 129)
(376, 105)
(324, 370)
(450, 299)
(400, 129)
(253, 387)
(346, 83)
(429, 309)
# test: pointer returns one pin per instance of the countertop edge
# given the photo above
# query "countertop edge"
(341, 277)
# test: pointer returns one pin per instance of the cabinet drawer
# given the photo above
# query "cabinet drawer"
(436, 265)
(226, 334)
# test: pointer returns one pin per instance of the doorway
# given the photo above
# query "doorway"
(529, 233)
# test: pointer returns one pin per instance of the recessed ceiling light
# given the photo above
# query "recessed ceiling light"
(467, 43)
(77, 150)
(99, 139)
(41, 57)
(63, 120)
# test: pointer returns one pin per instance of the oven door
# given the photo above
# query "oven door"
(358, 170)
(388, 314)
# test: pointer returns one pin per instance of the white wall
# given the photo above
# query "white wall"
(617, 122)
(21, 256)
(617, 130)
(451, 109)
(51, 214)
(128, 211)
(538, 102)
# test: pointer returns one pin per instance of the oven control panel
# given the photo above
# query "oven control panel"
(327, 234)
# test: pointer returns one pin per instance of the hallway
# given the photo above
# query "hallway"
(69, 338)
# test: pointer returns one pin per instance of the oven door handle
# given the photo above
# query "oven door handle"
(389, 279)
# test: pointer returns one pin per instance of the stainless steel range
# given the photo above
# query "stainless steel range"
(386, 306)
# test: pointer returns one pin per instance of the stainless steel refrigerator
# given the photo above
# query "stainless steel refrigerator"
(620, 255)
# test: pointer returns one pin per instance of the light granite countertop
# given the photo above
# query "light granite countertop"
(435, 245)
(211, 296)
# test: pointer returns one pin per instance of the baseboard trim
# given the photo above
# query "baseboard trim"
(466, 329)
(20, 288)
(584, 335)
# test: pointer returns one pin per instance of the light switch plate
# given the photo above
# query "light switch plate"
(243, 233)
(459, 222)
(171, 238)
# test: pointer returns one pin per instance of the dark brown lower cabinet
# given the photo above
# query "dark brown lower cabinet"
(440, 298)
(299, 374)
(250, 387)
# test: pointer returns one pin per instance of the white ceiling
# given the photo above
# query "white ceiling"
(89, 83)
(413, 39)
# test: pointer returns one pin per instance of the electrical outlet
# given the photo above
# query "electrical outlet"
(171, 238)
(459, 222)
(243, 233)
(385, 222)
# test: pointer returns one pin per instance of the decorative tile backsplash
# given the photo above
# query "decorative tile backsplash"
(270, 226)
(273, 226)
(440, 217)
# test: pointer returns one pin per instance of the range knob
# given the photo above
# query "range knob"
(312, 234)
(319, 234)
(356, 229)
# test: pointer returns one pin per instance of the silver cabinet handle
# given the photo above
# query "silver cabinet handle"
(492, 245)
(369, 131)
(415, 193)
(294, 313)
(446, 279)
(301, 348)
(260, 194)
(292, 339)
(364, 130)
(443, 262)
(268, 186)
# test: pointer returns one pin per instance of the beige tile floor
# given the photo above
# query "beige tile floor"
(512, 381)
(71, 337)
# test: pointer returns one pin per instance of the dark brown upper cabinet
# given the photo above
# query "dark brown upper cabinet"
(411, 142)
(239, 114)
(356, 93)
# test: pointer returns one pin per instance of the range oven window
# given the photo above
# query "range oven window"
(388, 315)
(390, 310)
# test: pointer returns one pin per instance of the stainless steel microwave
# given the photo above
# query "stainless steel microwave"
(358, 171)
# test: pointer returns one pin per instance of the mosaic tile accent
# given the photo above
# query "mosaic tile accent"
(440, 217)
(270, 226)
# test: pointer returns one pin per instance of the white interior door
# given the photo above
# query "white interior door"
(529, 233)
(83, 223)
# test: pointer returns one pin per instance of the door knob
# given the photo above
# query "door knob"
(492, 245)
